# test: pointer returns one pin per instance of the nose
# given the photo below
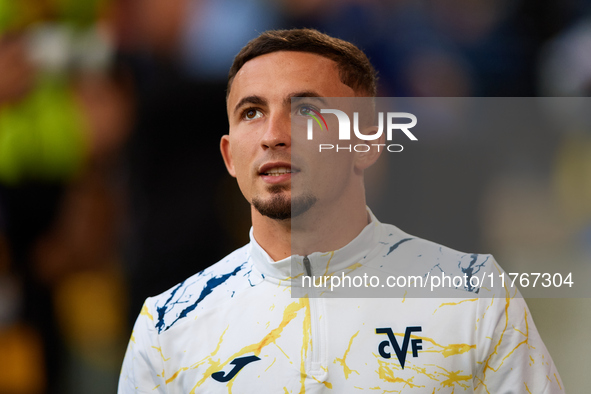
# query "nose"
(278, 132)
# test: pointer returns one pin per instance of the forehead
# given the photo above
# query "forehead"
(277, 74)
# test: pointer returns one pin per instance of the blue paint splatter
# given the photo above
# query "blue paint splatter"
(436, 265)
(397, 244)
(249, 281)
(471, 270)
(162, 310)
(211, 284)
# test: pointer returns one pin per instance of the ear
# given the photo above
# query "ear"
(364, 160)
(227, 154)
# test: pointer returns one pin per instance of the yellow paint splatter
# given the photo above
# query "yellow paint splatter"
(217, 348)
(446, 351)
(492, 301)
(289, 314)
(527, 388)
(525, 341)
(353, 267)
(292, 277)
(306, 342)
(145, 312)
(175, 375)
(325, 383)
(454, 303)
(480, 382)
(271, 364)
(160, 351)
(386, 373)
(384, 391)
(487, 365)
(343, 362)
(454, 378)
(557, 381)
(421, 370)
(328, 262)
(282, 351)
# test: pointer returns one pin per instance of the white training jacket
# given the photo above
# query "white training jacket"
(235, 328)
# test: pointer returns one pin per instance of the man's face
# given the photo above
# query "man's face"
(280, 183)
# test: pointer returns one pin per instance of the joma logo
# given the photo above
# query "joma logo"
(238, 363)
(416, 344)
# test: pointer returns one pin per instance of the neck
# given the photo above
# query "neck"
(321, 229)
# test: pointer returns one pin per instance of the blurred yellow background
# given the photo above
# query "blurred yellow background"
(112, 188)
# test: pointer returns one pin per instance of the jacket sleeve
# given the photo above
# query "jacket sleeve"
(142, 370)
(512, 357)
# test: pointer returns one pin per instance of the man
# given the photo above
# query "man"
(235, 326)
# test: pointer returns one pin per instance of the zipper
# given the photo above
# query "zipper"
(307, 266)
(317, 351)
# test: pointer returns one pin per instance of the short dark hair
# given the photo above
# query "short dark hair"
(354, 67)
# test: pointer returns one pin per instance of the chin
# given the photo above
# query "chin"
(281, 207)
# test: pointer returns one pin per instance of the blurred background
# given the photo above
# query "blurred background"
(112, 188)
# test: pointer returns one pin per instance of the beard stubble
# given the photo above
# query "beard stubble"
(280, 207)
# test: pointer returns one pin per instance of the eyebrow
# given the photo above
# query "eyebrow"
(294, 97)
(258, 100)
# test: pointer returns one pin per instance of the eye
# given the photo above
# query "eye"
(252, 114)
(305, 110)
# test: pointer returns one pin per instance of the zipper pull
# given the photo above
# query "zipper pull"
(307, 266)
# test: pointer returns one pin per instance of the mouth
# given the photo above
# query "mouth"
(277, 172)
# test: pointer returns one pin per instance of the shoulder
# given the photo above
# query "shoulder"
(416, 255)
(203, 290)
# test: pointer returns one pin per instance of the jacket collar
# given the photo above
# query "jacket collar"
(322, 263)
